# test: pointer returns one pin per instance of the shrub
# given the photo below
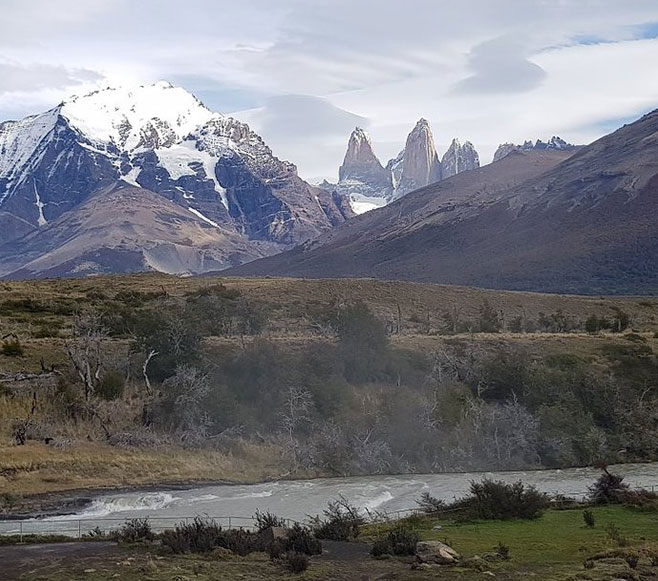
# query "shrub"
(204, 535)
(300, 539)
(491, 499)
(135, 530)
(341, 522)
(429, 503)
(295, 562)
(198, 536)
(588, 517)
(12, 348)
(608, 488)
(111, 385)
(502, 550)
(489, 320)
(615, 535)
(400, 540)
(265, 520)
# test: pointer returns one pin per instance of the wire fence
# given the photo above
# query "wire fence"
(91, 528)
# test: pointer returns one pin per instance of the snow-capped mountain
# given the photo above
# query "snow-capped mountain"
(368, 185)
(162, 139)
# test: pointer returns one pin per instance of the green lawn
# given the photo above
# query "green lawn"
(558, 537)
(554, 546)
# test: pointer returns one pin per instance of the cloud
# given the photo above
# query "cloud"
(306, 130)
(480, 70)
(32, 77)
(500, 66)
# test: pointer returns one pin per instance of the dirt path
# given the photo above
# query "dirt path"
(17, 560)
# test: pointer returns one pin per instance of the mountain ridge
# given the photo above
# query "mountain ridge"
(583, 224)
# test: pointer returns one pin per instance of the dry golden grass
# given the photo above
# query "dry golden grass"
(288, 299)
(36, 468)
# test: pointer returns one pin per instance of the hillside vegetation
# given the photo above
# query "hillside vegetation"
(143, 379)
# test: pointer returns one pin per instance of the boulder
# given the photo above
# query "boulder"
(436, 552)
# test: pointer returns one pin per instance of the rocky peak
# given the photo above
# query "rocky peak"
(420, 163)
(361, 163)
(556, 143)
(459, 158)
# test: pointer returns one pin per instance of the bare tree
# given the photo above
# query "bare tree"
(152, 353)
(87, 350)
(297, 410)
(183, 403)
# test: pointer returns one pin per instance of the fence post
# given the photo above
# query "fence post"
(21, 533)
(229, 522)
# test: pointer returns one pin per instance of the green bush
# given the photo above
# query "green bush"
(608, 488)
(429, 503)
(588, 517)
(111, 385)
(341, 522)
(401, 540)
(265, 520)
(497, 500)
(135, 530)
(203, 535)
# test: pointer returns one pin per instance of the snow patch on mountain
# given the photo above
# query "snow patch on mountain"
(149, 116)
(361, 203)
(20, 139)
(204, 218)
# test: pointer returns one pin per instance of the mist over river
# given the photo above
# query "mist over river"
(299, 499)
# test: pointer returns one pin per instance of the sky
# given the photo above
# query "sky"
(304, 73)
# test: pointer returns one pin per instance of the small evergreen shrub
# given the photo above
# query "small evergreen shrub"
(112, 385)
(341, 522)
(265, 520)
(608, 489)
(492, 500)
(502, 550)
(429, 503)
(400, 541)
(588, 517)
(135, 530)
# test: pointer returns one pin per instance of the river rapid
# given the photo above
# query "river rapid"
(299, 499)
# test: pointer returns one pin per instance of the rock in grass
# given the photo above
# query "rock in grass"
(436, 552)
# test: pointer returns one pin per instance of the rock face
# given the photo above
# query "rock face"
(436, 552)
(459, 158)
(162, 139)
(420, 163)
(361, 164)
(577, 221)
(367, 185)
(554, 143)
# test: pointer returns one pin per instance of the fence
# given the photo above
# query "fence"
(91, 527)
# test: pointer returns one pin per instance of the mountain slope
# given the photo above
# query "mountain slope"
(128, 229)
(367, 245)
(161, 139)
(586, 225)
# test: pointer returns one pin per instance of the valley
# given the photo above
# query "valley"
(285, 386)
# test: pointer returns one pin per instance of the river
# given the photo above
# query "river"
(301, 498)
